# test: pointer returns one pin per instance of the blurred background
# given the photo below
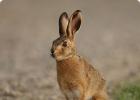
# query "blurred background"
(109, 38)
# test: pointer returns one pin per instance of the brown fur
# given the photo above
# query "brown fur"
(77, 79)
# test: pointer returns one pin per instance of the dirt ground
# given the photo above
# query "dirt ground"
(109, 38)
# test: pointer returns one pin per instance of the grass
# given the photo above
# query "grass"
(128, 91)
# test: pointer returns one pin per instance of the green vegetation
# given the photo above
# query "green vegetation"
(130, 91)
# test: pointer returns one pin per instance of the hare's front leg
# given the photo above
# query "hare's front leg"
(101, 96)
(74, 94)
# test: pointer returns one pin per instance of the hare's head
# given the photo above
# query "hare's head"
(64, 46)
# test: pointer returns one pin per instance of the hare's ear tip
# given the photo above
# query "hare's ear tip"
(78, 11)
(64, 14)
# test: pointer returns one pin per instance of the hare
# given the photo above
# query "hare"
(77, 79)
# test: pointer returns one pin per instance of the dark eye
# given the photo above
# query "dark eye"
(65, 43)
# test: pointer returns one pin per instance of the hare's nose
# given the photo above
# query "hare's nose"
(52, 51)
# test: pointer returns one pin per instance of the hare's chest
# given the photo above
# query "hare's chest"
(70, 77)
(70, 71)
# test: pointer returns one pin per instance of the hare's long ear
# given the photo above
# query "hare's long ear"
(63, 23)
(74, 23)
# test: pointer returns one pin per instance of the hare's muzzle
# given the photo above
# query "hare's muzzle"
(52, 53)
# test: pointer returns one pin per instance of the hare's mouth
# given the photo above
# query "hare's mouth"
(53, 55)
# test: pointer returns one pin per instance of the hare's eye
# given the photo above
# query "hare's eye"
(65, 44)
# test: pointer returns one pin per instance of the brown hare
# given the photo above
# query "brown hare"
(77, 79)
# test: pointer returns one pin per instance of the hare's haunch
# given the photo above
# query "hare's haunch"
(77, 79)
